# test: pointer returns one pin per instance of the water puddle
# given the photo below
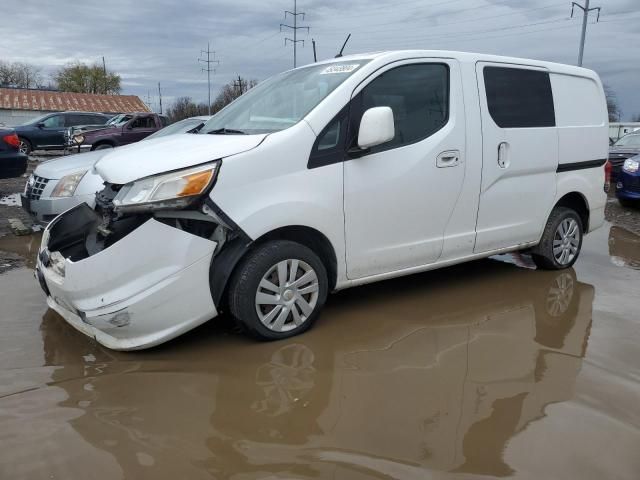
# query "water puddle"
(484, 369)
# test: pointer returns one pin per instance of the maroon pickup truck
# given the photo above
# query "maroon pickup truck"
(120, 130)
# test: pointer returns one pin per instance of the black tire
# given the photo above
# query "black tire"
(246, 279)
(25, 146)
(102, 146)
(542, 254)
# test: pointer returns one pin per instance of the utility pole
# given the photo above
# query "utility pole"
(295, 14)
(240, 85)
(315, 57)
(208, 62)
(104, 74)
(585, 16)
(160, 97)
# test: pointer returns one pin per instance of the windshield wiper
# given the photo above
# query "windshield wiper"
(226, 131)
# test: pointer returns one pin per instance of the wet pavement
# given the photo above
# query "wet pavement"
(484, 369)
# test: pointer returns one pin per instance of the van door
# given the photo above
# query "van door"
(519, 154)
(399, 196)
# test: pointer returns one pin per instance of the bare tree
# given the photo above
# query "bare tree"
(636, 118)
(612, 104)
(231, 91)
(81, 78)
(20, 75)
(185, 107)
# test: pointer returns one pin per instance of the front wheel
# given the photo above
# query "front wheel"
(561, 240)
(278, 290)
(103, 146)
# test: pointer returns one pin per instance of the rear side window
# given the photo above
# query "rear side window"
(519, 98)
(98, 120)
(418, 94)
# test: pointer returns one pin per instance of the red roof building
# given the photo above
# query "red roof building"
(18, 105)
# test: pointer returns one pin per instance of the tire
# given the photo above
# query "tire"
(103, 146)
(25, 146)
(568, 245)
(275, 312)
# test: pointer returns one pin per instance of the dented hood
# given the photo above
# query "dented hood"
(173, 152)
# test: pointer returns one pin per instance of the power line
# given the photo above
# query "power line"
(421, 19)
(208, 62)
(295, 14)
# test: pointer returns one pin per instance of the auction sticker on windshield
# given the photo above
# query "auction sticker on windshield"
(340, 69)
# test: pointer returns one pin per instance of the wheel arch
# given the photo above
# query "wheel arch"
(103, 142)
(224, 265)
(577, 202)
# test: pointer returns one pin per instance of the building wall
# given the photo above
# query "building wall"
(11, 118)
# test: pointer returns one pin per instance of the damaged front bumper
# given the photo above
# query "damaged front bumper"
(147, 286)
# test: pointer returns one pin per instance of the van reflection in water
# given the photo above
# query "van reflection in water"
(434, 372)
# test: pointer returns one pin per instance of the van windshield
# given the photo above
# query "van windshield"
(282, 100)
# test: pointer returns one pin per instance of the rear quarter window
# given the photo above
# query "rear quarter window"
(518, 97)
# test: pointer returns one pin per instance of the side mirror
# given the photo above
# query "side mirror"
(376, 127)
(40, 124)
(129, 126)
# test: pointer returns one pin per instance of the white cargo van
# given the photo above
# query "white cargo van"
(329, 176)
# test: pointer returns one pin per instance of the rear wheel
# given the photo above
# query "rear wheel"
(561, 240)
(25, 146)
(278, 290)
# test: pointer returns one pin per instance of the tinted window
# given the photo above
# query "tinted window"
(75, 119)
(98, 119)
(54, 121)
(418, 95)
(143, 122)
(519, 98)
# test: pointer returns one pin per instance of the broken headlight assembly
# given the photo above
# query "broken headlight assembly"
(174, 190)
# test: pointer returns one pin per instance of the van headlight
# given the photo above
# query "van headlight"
(166, 191)
(631, 165)
(67, 185)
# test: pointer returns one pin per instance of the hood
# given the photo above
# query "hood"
(96, 131)
(173, 152)
(61, 166)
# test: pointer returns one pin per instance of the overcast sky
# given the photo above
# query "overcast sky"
(147, 41)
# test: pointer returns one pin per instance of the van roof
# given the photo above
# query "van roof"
(466, 57)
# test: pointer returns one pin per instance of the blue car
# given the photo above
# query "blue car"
(628, 182)
(47, 132)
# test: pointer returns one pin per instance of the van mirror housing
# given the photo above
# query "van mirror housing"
(376, 127)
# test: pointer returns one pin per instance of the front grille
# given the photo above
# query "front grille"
(35, 189)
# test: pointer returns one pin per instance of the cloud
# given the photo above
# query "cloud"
(151, 41)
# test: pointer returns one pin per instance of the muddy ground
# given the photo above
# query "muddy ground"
(489, 369)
